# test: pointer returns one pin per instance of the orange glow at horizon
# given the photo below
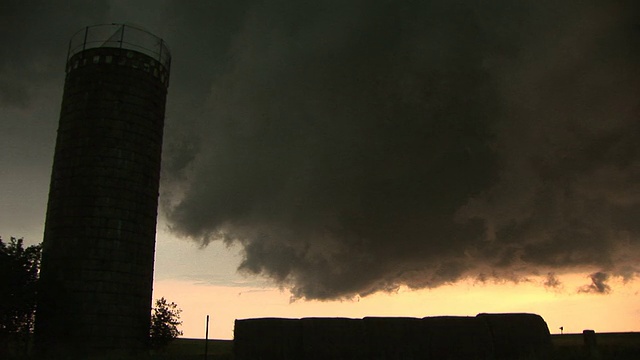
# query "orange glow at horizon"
(618, 311)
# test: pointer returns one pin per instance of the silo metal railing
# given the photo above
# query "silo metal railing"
(120, 36)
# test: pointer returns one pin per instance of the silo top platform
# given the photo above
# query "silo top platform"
(120, 36)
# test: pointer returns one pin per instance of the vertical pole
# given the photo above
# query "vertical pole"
(206, 339)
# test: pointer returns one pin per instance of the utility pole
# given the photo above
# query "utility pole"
(206, 339)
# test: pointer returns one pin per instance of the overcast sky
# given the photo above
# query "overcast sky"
(345, 147)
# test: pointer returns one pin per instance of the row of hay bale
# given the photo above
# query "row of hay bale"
(483, 337)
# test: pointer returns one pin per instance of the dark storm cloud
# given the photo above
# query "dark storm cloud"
(35, 35)
(354, 147)
(34, 43)
(199, 34)
(598, 284)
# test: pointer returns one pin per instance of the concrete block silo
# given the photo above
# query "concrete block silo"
(99, 239)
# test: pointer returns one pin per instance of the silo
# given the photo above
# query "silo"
(99, 238)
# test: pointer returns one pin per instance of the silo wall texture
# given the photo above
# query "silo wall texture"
(99, 239)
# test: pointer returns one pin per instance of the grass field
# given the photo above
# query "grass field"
(189, 349)
(610, 346)
(613, 346)
(618, 346)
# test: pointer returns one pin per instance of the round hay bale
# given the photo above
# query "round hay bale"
(454, 337)
(333, 338)
(518, 336)
(267, 338)
(393, 338)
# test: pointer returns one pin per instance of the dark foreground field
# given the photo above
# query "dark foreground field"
(609, 346)
(191, 349)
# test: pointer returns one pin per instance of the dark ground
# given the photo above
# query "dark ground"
(191, 349)
(609, 346)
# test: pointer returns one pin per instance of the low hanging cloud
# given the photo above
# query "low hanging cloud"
(598, 284)
(353, 147)
(552, 281)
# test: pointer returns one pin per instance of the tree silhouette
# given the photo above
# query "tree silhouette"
(165, 319)
(19, 269)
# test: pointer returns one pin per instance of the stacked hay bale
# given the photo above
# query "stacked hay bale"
(451, 337)
(268, 339)
(518, 336)
(333, 338)
(486, 336)
(394, 338)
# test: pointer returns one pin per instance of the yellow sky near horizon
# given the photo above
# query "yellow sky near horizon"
(618, 311)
